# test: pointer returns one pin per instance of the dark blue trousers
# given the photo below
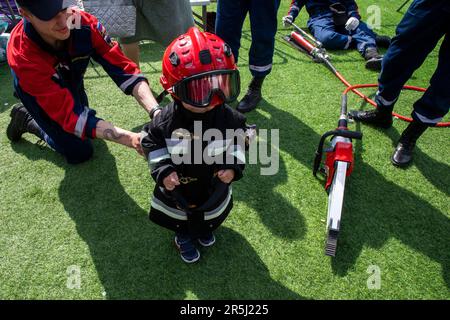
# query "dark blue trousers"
(424, 24)
(69, 145)
(338, 38)
(263, 20)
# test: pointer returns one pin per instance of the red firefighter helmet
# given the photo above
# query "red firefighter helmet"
(198, 68)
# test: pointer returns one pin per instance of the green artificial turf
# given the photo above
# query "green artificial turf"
(94, 215)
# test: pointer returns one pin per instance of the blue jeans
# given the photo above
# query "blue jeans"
(338, 38)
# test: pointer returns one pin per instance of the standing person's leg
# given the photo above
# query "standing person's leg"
(166, 20)
(435, 103)
(428, 110)
(263, 21)
(130, 45)
(132, 51)
(160, 21)
(416, 36)
(229, 21)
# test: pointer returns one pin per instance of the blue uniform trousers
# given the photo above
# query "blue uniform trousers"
(424, 24)
(263, 21)
(74, 149)
(338, 38)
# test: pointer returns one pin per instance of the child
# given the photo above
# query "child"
(193, 197)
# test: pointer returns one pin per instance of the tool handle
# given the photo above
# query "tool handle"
(335, 133)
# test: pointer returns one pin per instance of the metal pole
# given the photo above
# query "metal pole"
(307, 35)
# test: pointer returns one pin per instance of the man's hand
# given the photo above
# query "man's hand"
(352, 24)
(171, 181)
(226, 176)
(287, 20)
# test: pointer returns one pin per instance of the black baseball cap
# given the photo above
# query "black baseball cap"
(46, 9)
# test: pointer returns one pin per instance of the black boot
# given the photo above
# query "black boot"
(383, 41)
(403, 154)
(378, 117)
(252, 97)
(373, 59)
(21, 122)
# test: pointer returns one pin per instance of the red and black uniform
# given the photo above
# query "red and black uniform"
(50, 82)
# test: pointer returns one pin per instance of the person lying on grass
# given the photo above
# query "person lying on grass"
(49, 52)
(338, 26)
(191, 162)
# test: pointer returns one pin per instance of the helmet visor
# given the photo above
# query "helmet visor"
(200, 89)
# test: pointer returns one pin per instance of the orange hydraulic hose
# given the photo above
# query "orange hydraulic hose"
(373, 103)
(309, 48)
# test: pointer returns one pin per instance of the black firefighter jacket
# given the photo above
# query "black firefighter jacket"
(192, 145)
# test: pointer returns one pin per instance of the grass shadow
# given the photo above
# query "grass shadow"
(375, 209)
(431, 169)
(274, 209)
(136, 259)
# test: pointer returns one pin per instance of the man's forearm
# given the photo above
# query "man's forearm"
(144, 96)
(107, 131)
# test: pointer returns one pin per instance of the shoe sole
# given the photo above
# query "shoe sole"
(248, 110)
(182, 258)
(400, 165)
(190, 261)
(374, 65)
(206, 244)
(245, 110)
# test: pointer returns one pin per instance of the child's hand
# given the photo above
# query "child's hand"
(171, 181)
(226, 176)
(136, 144)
